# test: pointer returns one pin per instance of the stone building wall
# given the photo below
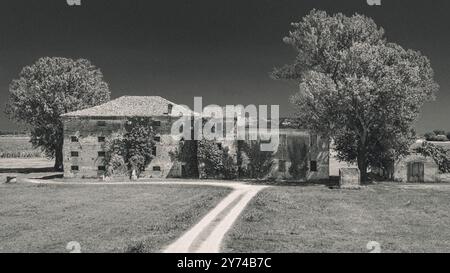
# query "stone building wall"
(83, 146)
(301, 156)
(83, 142)
(431, 170)
(164, 164)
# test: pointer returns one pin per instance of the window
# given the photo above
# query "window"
(157, 123)
(74, 139)
(313, 166)
(313, 141)
(101, 123)
(181, 128)
(156, 168)
(169, 109)
(157, 139)
(74, 154)
(101, 139)
(154, 150)
(282, 166)
(74, 168)
(101, 168)
(101, 154)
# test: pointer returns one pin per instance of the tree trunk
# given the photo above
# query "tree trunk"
(362, 166)
(362, 157)
(59, 158)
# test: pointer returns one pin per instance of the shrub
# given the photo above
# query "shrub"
(137, 162)
(135, 147)
(215, 161)
(230, 168)
(210, 159)
(253, 162)
(438, 153)
(138, 143)
(448, 136)
(430, 136)
(116, 165)
(437, 135)
(440, 138)
(22, 154)
(187, 153)
(439, 132)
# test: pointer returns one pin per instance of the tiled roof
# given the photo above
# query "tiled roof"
(131, 106)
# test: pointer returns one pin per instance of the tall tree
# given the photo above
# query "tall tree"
(355, 87)
(51, 87)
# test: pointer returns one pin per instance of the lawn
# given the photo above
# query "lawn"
(102, 218)
(400, 218)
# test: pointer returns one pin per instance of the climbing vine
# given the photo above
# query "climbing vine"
(131, 151)
(439, 154)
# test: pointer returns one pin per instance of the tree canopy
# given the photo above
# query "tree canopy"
(49, 88)
(356, 87)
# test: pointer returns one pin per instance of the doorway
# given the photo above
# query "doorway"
(416, 171)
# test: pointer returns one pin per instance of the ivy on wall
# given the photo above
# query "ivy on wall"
(187, 154)
(252, 162)
(133, 150)
(215, 161)
(297, 153)
(439, 154)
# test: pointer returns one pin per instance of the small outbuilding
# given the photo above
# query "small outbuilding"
(416, 168)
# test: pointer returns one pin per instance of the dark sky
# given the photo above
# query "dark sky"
(219, 49)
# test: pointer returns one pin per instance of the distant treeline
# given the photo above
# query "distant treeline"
(437, 135)
(17, 145)
(14, 133)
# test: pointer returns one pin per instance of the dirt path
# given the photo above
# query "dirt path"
(207, 235)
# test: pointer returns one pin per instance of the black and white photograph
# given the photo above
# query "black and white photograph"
(224, 127)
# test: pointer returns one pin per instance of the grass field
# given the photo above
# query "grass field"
(318, 219)
(17, 147)
(38, 218)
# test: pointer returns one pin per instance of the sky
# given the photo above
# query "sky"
(222, 50)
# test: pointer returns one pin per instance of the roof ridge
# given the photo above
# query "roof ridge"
(131, 106)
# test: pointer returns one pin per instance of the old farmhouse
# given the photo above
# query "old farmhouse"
(301, 156)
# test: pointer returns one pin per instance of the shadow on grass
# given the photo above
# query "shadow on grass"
(27, 170)
(332, 182)
(53, 176)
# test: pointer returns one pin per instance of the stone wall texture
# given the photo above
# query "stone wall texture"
(349, 178)
(305, 157)
(301, 156)
(431, 170)
(82, 158)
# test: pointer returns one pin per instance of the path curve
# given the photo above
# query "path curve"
(207, 235)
